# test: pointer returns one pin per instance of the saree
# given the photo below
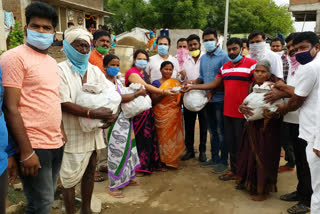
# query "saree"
(259, 156)
(169, 125)
(123, 156)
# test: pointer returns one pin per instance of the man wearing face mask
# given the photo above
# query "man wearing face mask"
(32, 107)
(259, 51)
(102, 44)
(79, 157)
(277, 47)
(153, 68)
(182, 51)
(236, 76)
(305, 96)
(191, 71)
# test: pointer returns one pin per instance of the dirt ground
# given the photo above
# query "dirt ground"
(192, 190)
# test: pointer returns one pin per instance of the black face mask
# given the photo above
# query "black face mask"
(304, 57)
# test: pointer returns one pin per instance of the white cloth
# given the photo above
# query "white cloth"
(308, 79)
(195, 100)
(314, 165)
(153, 67)
(192, 68)
(77, 32)
(275, 62)
(73, 167)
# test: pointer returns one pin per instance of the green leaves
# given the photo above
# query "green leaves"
(15, 36)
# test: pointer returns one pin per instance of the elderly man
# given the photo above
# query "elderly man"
(79, 158)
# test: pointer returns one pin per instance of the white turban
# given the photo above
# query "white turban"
(77, 32)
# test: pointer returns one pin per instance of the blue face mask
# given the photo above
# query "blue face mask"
(210, 46)
(304, 57)
(113, 71)
(163, 50)
(141, 63)
(79, 61)
(42, 41)
(237, 58)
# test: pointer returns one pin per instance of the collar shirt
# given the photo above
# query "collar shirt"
(192, 68)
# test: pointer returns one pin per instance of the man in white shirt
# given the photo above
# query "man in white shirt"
(191, 71)
(153, 68)
(305, 97)
(259, 51)
(290, 131)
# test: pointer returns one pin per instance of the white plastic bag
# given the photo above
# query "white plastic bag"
(256, 101)
(195, 100)
(136, 106)
(98, 97)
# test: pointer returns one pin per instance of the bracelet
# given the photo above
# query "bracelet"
(88, 113)
(27, 157)
(135, 94)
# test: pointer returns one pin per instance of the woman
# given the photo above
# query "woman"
(143, 124)
(168, 118)
(259, 153)
(123, 157)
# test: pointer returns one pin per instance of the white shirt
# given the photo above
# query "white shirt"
(308, 79)
(275, 62)
(292, 116)
(153, 67)
(192, 68)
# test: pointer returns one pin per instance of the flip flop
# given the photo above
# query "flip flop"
(103, 169)
(134, 183)
(228, 176)
(116, 194)
(299, 209)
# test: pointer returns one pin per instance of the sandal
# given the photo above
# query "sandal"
(116, 193)
(133, 183)
(299, 209)
(140, 174)
(103, 169)
(227, 176)
(98, 177)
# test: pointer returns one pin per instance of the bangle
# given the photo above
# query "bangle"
(27, 157)
(88, 113)
(135, 94)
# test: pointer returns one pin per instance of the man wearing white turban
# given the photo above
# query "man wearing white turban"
(79, 157)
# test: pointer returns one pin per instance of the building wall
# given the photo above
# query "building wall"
(3, 45)
(303, 1)
(98, 4)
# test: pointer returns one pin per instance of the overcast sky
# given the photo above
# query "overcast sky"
(309, 26)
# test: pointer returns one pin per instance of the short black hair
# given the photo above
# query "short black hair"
(234, 40)
(164, 37)
(41, 10)
(99, 33)
(290, 37)
(108, 58)
(166, 63)
(193, 37)
(70, 24)
(244, 40)
(209, 31)
(256, 33)
(181, 40)
(308, 36)
(278, 39)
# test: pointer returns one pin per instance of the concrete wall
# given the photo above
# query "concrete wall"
(125, 53)
(137, 33)
(3, 45)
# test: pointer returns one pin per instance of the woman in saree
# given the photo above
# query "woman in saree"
(123, 157)
(168, 118)
(143, 124)
(259, 151)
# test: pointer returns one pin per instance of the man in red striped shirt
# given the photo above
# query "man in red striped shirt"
(236, 76)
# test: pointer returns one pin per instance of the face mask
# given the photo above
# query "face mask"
(102, 50)
(294, 63)
(237, 58)
(304, 57)
(113, 71)
(194, 53)
(280, 53)
(141, 63)
(257, 50)
(182, 55)
(163, 50)
(210, 46)
(42, 41)
(78, 60)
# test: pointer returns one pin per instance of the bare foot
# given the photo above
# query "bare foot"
(116, 193)
(258, 197)
(133, 183)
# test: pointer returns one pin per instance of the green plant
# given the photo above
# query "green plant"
(15, 36)
(1, 52)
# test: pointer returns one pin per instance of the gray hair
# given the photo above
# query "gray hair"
(265, 63)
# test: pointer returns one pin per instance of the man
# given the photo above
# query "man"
(291, 135)
(102, 44)
(153, 68)
(210, 64)
(79, 157)
(259, 51)
(182, 51)
(277, 47)
(245, 47)
(236, 75)
(32, 107)
(191, 71)
(305, 97)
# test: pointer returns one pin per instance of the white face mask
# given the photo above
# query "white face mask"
(257, 50)
(280, 53)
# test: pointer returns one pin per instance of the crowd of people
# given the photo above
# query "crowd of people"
(42, 140)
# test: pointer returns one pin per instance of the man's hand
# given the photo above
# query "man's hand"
(282, 109)
(245, 110)
(186, 88)
(273, 95)
(12, 170)
(182, 74)
(279, 84)
(188, 82)
(101, 113)
(141, 92)
(209, 95)
(31, 166)
(317, 152)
